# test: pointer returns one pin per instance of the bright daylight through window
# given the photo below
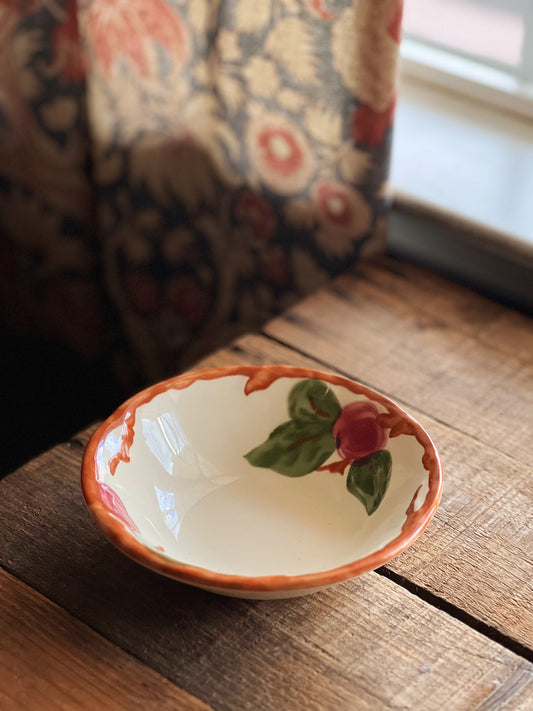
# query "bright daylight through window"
(483, 42)
(463, 142)
(491, 30)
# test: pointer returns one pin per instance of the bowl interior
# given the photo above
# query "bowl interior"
(172, 471)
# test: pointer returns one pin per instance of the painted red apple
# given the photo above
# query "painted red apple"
(357, 432)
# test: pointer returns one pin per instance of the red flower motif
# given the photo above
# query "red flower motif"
(395, 26)
(370, 127)
(341, 209)
(256, 212)
(114, 504)
(280, 150)
(69, 58)
(357, 432)
(334, 204)
(189, 300)
(22, 7)
(143, 292)
(344, 216)
(122, 27)
(275, 267)
(280, 153)
(318, 9)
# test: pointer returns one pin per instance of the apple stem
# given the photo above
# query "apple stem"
(335, 467)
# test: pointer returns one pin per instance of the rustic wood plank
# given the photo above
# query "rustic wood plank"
(49, 660)
(457, 305)
(476, 553)
(490, 322)
(365, 644)
(435, 346)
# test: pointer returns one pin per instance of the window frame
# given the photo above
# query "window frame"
(526, 60)
(484, 79)
(425, 227)
(455, 72)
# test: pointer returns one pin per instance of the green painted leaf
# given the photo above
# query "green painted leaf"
(294, 448)
(313, 400)
(369, 478)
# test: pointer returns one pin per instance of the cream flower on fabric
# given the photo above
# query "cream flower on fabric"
(261, 76)
(228, 46)
(279, 153)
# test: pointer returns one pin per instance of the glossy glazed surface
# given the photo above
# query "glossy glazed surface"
(261, 481)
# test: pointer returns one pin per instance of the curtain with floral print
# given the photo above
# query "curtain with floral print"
(174, 172)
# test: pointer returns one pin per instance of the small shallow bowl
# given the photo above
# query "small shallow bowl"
(261, 481)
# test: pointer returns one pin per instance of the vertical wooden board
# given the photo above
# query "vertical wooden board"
(425, 358)
(367, 643)
(49, 660)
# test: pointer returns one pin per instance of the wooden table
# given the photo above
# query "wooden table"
(446, 625)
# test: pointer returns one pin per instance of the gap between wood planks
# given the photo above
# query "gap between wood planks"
(49, 645)
(458, 614)
(424, 594)
(431, 598)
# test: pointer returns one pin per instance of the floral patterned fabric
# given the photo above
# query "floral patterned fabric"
(174, 172)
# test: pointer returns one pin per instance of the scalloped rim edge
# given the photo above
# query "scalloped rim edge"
(259, 377)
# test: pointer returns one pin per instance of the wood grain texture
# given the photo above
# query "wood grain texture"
(476, 553)
(49, 660)
(431, 345)
(462, 366)
(365, 644)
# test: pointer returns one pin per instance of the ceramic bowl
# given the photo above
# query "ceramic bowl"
(261, 481)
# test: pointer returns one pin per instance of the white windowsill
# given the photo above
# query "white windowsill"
(469, 166)
(484, 83)
(464, 158)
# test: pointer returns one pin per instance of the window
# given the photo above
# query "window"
(462, 159)
(479, 46)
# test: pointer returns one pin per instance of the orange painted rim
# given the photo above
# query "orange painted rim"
(259, 378)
